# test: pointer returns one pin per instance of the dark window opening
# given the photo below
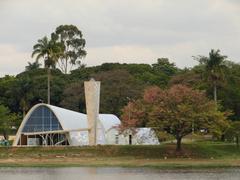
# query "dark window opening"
(130, 139)
(42, 119)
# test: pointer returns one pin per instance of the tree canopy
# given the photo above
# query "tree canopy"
(8, 121)
(214, 69)
(178, 111)
(70, 38)
(233, 132)
(122, 85)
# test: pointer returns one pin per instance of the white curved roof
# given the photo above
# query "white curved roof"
(71, 120)
(109, 121)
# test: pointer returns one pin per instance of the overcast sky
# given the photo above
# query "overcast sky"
(125, 31)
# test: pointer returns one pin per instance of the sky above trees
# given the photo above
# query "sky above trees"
(130, 31)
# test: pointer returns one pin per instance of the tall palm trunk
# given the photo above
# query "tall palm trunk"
(23, 106)
(24, 111)
(215, 92)
(49, 79)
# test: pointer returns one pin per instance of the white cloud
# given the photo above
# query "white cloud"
(124, 31)
(121, 54)
(11, 60)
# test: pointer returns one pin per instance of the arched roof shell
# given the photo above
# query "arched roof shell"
(71, 120)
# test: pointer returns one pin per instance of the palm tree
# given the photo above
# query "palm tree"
(215, 66)
(50, 52)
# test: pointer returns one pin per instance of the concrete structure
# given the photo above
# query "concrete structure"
(92, 96)
(46, 125)
(50, 125)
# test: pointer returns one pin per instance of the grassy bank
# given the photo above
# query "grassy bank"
(197, 155)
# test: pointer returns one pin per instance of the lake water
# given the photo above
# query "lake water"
(84, 173)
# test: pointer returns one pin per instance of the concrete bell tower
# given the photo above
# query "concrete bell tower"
(92, 97)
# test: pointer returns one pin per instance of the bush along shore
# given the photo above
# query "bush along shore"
(196, 155)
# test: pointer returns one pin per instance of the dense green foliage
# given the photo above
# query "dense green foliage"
(232, 134)
(72, 44)
(214, 67)
(8, 121)
(120, 83)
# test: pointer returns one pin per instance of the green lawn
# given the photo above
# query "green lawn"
(196, 155)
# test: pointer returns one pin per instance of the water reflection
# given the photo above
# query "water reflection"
(115, 174)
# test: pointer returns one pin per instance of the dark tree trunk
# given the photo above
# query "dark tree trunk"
(237, 141)
(5, 135)
(179, 143)
(223, 137)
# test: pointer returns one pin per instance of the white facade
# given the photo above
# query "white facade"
(75, 126)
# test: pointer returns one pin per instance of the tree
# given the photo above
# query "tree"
(49, 51)
(30, 86)
(134, 115)
(230, 92)
(73, 45)
(214, 69)
(23, 90)
(5, 85)
(178, 111)
(73, 97)
(143, 73)
(163, 65)
(233, 132)
(7, 121)
(32, 66)
(190, 77)
(116, 87)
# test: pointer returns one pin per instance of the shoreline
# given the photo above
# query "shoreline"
(169, 164)
(194, 156)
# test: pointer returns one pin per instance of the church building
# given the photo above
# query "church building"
(48, 125)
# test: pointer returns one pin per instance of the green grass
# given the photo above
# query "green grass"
(196, 150)
(194, 155)
(216, 150)
(86, 151)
